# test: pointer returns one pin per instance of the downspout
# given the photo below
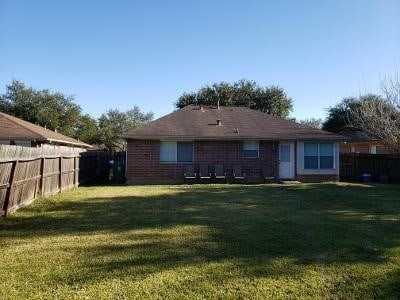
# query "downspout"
(126, 158)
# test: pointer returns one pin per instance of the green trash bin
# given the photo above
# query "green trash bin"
(119, 173)
(119, 168)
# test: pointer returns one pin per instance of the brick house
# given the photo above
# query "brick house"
(357, 141)
(159, 151)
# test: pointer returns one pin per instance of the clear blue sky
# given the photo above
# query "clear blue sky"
(115, 54)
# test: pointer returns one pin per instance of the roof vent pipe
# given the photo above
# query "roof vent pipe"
(219, 122)
(218, 104)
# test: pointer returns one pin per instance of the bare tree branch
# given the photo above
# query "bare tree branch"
(380, 117)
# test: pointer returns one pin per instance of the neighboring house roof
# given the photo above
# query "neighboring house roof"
(12, 128)
(98, 147)
(357, 136)
(194, 122)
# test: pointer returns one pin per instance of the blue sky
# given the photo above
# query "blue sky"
(115, 54)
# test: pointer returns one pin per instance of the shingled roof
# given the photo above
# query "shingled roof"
(194, 122)
(355, 136)
(12, 128)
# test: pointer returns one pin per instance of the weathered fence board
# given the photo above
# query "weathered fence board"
(28, 173)
(354, 165)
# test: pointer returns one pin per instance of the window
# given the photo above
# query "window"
(376, 149)
(310, 156)
(184, 152)
(284, 153)
(380, 150)
(167, 151)
(172, 152)
(326, 156)
(318, 156)
(372, 149)
(250, 149)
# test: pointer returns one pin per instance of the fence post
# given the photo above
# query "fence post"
(60, 177)
(42, 176)
(75, 172)
(10, 192)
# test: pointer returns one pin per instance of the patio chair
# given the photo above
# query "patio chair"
(268, 174)
(238, 174)
(189, 173)
(204, 173)
(219, 172)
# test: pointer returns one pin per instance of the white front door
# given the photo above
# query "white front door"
(286, 160)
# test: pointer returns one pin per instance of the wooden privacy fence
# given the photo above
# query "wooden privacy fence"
(29, 173)
(354, 165)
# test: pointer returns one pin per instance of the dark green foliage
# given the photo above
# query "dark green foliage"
(42, 107)
(114, 123)
(340, 115)
(57, 111)
(87, 130)
(272, 100)
(312, 122)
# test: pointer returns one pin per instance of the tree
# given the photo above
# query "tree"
(312, 122)
(87, 130)
(57, 111)
(391, 90)
(380, 117)
(272, 100)
(338, 115)
(114, 123)
(53, 110)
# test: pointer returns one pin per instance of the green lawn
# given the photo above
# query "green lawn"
(205, 241)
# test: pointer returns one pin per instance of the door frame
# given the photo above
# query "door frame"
(292, 158)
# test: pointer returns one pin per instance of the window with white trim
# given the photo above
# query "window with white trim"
(176, 152)
(318, 156)
(251, 149)
(376, 149)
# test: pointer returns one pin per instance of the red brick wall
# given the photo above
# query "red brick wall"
(317, 178)
(143, 163)
(363, 148)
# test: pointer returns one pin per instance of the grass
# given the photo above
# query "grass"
(205, 241)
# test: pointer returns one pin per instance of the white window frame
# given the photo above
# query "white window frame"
(319, 156)
(251, 142)
(372, 149)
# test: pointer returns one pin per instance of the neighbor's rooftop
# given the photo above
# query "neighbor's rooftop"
(357, 136)
(195, 122)
(13, 128)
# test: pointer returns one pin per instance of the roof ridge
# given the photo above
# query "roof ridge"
(191, 121)
(37, 130)
(158, 119)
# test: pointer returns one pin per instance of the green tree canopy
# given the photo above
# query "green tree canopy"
(339, 116)
(57, 111)
(312, 122)
(114, 123)
(87, 130)
(272, 100)
(49, 109)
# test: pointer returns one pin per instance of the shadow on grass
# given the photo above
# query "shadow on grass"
(251, 226)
